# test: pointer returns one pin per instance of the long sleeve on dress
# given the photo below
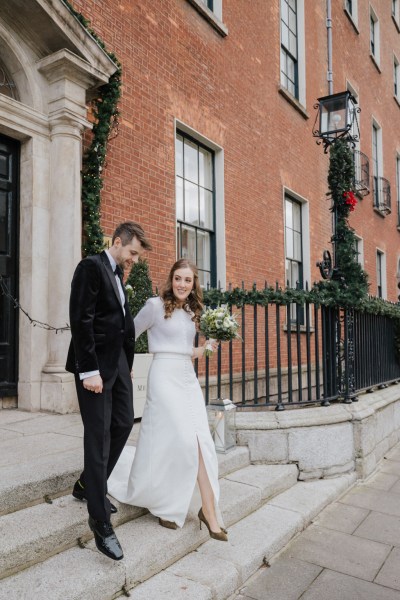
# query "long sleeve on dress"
(145, 318)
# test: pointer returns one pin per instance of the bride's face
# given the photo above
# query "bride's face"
(182, 284)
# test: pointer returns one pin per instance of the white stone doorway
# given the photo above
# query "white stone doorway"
(51, 65)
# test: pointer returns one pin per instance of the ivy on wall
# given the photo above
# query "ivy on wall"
(105, 113)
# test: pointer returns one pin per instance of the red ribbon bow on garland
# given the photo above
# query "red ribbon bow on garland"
(350, 199)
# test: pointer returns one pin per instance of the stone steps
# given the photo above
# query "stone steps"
(34, 533)
(37, 532)
(186, 563)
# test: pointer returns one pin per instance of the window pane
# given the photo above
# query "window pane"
(188, 243)
(284, 11)
(179, 199)
(203, 250)
(204, 279)
(292, 21)
(178, 241)
(205, 169)
(297, 246)
(289, 214)
(191, 161)
(289, 243)
(293, 44)
(179, 155)
(191, 203)
(296, 216)
(206, 209)
(291, 71)
(285, 36)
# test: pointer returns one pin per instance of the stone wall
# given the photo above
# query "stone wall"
(325, 441)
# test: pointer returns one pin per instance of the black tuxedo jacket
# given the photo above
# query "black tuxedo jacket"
(98, 326)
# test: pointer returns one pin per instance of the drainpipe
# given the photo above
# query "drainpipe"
(329, 31)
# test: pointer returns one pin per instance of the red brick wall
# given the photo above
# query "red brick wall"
(175, 65)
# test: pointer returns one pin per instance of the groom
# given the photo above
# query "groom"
(101, 356)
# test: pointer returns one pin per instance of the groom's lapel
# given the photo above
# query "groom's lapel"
(111, 275)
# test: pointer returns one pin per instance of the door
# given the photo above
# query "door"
(9, 225)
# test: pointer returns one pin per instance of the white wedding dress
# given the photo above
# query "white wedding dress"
(161, 474)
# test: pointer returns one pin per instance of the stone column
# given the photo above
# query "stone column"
(69, 77)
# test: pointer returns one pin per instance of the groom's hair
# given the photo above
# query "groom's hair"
(128, 230)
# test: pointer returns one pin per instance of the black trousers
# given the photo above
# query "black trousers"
(107, 420)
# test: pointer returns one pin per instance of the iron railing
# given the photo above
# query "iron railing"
(361, 173)
(381, 195)
(280, 362)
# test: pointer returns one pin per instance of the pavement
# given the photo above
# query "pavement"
(351, 551)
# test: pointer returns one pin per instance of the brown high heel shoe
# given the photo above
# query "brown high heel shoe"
(216, 535)
(167, 524)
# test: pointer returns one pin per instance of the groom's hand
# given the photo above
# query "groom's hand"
(93, 384)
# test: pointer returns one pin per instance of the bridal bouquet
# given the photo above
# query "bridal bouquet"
(218, 324)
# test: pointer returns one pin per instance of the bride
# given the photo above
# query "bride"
(175, 447)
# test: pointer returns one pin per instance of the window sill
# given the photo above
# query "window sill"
(210, 17)
(352, 21)
(397, 100)
(375, 62)
(396, 22)
(293, 101)
(293, 328)
(381, 213)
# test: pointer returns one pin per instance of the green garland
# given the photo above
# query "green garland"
(350, 281)
(316, 295)
(106, 113)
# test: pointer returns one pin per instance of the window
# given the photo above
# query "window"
(398, 188)
(396, 78)
(293, 243)
(195, 206)
(351, 7)
(215, 6)
(395, 12)
(374, 35)
(376, 163)
(289, 55)
(380, 274)
(359, 248)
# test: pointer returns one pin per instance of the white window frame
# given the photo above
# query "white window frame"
(396, 78)
(305, 233)
(220, 246)
(360, 247)
(377, 50)
(379, 155)
(353, 15)
(301, 54)
(396, 15)
(217, 8)
(383, 272)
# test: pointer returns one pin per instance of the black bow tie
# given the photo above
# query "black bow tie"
(118, 271)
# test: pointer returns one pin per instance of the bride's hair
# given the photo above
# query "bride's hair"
(193, 303)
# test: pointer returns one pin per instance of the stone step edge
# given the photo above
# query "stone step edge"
(71, 476)
(126, 516)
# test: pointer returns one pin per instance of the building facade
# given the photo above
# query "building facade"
(214, 157)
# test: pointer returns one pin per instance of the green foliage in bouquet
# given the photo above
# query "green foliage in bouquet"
(139, 288)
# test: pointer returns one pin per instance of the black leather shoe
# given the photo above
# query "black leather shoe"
(105, 538)
(79, 493)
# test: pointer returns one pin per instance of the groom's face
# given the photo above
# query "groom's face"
(126, 255)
